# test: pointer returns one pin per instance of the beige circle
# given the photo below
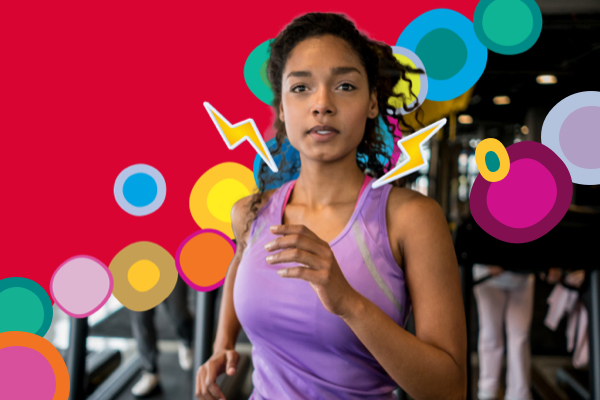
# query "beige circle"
(130, 255)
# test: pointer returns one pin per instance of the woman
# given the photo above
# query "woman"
(326, 267)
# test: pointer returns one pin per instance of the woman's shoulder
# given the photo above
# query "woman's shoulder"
(402, 200)
(245, 210)
(408, 209)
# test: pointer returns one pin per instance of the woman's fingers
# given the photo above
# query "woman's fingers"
(206, 386)
(232, 361)
(299, 256)
(299, 241)
(304, 273)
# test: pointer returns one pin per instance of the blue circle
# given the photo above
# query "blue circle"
(448, 89)
(140, 189)
(292, 157)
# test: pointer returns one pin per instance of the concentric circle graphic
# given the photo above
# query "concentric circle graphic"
(492, 160)
(508, 26)
(131, 268)
(529, 201)
(446, 43)
(215, 193)
(255, 73)
(24, 306)
(419, 81)
(26, 357)
(140, 189)
(81, 286)
(571, 131)
(203, 258)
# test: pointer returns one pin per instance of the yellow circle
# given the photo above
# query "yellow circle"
(201, 198)
(143, 275)
(223, 196)
(402, 86)
(495, 146)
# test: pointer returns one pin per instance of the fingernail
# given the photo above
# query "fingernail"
(268, 246)
(273, 227)
(281, 272)
(269, 258)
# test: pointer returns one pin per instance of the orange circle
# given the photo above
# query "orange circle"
(206, 258)
(46, 349)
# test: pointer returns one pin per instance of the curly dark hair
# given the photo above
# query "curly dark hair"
(383, 73)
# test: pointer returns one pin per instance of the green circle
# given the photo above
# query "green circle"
(24, 306)
(263, 74)
(507, 26)
(255, 73)
(507, 22)
(20, 310)
(492, 162)
(443, 53)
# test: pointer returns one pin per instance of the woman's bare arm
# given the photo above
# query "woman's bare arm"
(229, 326)
(432, 364)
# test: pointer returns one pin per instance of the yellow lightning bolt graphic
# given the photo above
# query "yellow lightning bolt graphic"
(233, 135)
(412, 148)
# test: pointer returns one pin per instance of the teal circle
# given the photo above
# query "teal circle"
(507, 26)
(263, 74)
(492, 162)
(443, 53)
(140, 189)
(507, 22)
(255, 73)
(24, 306)
(26, 313)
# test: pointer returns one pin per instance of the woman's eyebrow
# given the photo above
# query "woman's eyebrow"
(334, 71)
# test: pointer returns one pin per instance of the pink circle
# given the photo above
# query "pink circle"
(525, 196)
(25, 374)
(81, 285)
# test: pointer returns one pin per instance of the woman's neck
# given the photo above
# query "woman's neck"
(317, 189)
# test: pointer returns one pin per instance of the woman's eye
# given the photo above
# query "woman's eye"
(349, 86)
(299, 86)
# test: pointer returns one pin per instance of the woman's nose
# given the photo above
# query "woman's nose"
(323, 103)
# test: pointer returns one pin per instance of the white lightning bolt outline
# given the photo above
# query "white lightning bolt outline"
(269, 161)
(406, 157)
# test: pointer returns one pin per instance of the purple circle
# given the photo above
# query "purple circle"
(19, 367)
(81, 286)
(525, 196)
(580, 137)
(564, 193)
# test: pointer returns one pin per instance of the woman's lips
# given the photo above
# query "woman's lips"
(322, 137)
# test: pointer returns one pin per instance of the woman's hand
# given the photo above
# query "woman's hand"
(320, 268)
(206, 378)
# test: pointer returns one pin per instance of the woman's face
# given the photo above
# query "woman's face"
(325, 99)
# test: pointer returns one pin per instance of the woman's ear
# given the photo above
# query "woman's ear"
(373, 105)
(281, 116)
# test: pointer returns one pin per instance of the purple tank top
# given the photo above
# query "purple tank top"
(299, 349)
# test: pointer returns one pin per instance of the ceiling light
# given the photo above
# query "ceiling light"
(501, 100)
(465, 119)
(546, 79)
(524, 130)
